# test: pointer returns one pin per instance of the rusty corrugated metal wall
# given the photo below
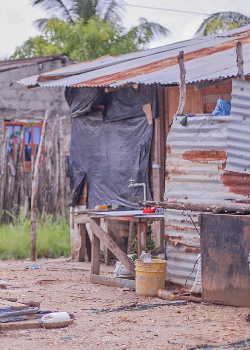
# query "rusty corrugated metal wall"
(238, 151)
(196, 159)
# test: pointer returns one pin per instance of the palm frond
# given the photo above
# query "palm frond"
(55, 6)
(154, 28)
(220, 22)
(41, 23)
(113, 11)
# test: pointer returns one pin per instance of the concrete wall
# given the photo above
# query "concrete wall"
(17, 103)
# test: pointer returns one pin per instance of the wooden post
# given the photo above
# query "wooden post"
(35, 179)
(240, 60)
(130, 234)
(182, 98)
(62, 167)
(107, 251)
(82, 232)
(95, 248)
(142, 237)
(3, 174)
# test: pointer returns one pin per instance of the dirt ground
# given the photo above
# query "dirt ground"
(62, 285)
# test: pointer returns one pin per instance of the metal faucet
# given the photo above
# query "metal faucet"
(142, 184)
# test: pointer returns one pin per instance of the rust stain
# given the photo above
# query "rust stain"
(205, 156)
(193, 250)
(166, 63)
(236, 182)
(175, 172)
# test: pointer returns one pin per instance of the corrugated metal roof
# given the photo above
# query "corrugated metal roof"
(195, 163)
(214, 55)
(238, 151)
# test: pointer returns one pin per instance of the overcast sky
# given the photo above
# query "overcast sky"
(17, 16)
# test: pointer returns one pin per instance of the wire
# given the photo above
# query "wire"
(164, 9)
(194, 224)
(192, 271)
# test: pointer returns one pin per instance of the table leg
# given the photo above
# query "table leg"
(142, 237)
(95, 252)
(107, 251)
(83, 232)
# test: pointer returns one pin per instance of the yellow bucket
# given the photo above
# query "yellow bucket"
(150, 277)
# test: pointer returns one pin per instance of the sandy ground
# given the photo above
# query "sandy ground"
(62, 285)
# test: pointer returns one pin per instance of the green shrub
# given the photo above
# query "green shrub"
(53, 238)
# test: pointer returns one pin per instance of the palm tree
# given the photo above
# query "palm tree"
(222, 22)
(109, 11)
(82, 9)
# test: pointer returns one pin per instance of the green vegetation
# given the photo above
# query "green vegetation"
(85, 30)
(53, 238)
(221, 22)
(133, 248)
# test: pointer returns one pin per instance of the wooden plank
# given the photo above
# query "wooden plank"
(81, 218)
(82, 232)
(95, 248)
(113, 281)
(112, 246)
(14, 305)
(31, 324)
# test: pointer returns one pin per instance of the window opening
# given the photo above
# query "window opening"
(31, 139)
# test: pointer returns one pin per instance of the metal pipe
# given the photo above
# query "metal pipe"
(137, 184)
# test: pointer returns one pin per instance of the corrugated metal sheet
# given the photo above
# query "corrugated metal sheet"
(238, 152)
(195, 170)
(156, 65)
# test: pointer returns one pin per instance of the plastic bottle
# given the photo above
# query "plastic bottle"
(145, 257)
(164, 294)
(55, 317)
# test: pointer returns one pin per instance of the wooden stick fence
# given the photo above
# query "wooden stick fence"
(53, 193)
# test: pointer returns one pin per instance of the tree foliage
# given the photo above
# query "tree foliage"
(221, 22)
(87, 40)
(71, 10)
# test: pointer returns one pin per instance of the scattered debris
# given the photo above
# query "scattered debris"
(242, 344)
(33, 267)
(3, 285)
(136, 306)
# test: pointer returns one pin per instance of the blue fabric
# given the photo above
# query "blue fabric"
(222, 108)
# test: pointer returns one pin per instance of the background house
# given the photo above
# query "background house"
(25, 109)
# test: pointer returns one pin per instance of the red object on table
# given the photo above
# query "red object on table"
(149, 210)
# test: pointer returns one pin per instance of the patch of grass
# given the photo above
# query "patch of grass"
(53, 238)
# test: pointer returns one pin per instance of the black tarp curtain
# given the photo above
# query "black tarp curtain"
(110, 144)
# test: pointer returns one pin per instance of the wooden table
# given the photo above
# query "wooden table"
(94, 218)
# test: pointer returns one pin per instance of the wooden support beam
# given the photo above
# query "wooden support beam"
(202, 206)
(99, 233)
(182, 98)
(82, 232)
(240, 60)
(95, 247)
(142, 237)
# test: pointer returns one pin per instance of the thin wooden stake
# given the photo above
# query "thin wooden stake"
(240, 60)
(35, 179)
(182, 98)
